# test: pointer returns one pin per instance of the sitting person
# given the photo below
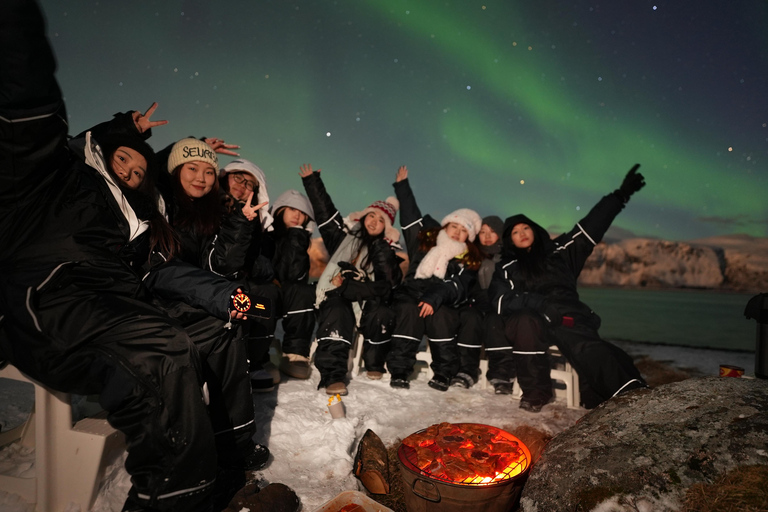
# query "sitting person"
(534, 291)
(76, 316)
(361, 274)
(443, 268)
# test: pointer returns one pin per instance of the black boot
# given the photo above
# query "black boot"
(272, 498)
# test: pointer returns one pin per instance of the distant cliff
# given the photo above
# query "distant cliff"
(735, 262)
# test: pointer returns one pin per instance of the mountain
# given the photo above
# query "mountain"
(734, 262)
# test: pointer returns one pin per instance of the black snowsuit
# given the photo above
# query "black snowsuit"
(336, 318)
(291, 265)
(73, 314)
(442, 326)
(542, 307)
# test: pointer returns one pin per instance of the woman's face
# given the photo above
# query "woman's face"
(374, 223)
(197, 178)
(293, 218)
(241, 184)
(522, 236)
(456, 232)
(487, 236)
(129, 166)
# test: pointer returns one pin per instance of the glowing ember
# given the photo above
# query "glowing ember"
(466, 453)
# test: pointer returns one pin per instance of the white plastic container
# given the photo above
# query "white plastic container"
(350, 497)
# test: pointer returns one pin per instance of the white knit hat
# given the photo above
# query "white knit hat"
(192, 150)
(467, 218)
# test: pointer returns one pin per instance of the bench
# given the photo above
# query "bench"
(70, 458)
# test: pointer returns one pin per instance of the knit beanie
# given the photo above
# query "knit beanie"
(467, 218)
(495, 223)
(192, 150)
(389, 209)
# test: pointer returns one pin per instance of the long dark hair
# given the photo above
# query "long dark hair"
(144, 198)
(366, 240)
(203, 215)
(472, 259)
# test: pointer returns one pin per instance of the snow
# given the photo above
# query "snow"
(313, 453)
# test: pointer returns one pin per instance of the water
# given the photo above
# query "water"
(674, 317)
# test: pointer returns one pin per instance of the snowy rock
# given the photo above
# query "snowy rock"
(641, 451)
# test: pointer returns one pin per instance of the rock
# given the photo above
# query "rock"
(642, 450)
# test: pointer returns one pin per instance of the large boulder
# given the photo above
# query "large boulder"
(642, 450)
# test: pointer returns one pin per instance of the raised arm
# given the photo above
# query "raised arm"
(328, 218)
(33, 127)
(411, 220)
(589, 231)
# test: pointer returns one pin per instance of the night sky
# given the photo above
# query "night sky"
(501, 106)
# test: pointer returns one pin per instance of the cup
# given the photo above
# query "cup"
(337, 410)
(727, 370)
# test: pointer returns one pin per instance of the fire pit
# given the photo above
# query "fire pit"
(462, 466)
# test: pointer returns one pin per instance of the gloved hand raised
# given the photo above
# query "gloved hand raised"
(633, 182)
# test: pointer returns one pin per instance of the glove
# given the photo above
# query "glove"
(633, 182)
(349, 271)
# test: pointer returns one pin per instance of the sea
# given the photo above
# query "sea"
(691, 318)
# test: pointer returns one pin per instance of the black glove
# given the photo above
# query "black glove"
(349, 271)
(633, 182)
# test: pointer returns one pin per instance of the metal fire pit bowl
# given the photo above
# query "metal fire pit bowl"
(427, 492)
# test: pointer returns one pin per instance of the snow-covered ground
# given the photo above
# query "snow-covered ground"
(313, 453)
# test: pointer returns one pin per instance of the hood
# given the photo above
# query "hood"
(540, 235)
(298, 201)
(243, 165)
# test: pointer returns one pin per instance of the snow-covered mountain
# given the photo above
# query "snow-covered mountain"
(734, 262)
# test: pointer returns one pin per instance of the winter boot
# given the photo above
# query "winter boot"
(336, 388)
(501, 387)
(439, 382)
(272, 498)
(253, 461)
(462, 380)
(296, 366)
(399, 381)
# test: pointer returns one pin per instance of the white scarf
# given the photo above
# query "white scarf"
(435, 262)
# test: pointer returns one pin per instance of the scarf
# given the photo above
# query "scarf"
(435, 262)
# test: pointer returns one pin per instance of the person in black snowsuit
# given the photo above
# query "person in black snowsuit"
(241, 182)
(362, 271)
(473, 314)
(75, 315)
(294, 224)
(443, 263)
(534, 291)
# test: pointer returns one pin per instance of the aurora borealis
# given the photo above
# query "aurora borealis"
(501, 106)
